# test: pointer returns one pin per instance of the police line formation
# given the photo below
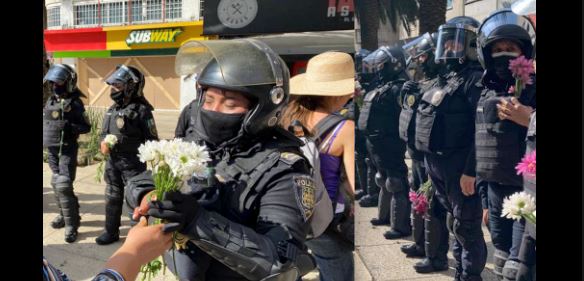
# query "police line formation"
(264, 203)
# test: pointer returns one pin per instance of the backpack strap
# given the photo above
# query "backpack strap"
(324, 125)
(329, 141)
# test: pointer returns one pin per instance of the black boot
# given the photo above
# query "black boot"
(428, 265)
(69, 206)
(360, 193)
(113, 213)
(71, 234)
(413, 251)
(377, 221)
(106, 238)
(416, 249)
(58, 221)
(369, 201)
(400, 219)
(394, 234)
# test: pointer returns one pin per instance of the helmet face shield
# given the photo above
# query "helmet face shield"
(451, 44)
(57, 74)
(243, 62)
(419, 46)
(505, 25)
(122, 75)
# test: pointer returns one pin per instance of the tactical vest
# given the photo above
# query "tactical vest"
(379, 116)
(499, 143)
(407, 117)
(444, 117)
(529, 180)
(124, 124)
(55, 121)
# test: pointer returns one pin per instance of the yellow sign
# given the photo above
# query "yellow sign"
(152, 36)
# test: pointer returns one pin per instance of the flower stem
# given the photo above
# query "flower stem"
(518, 87)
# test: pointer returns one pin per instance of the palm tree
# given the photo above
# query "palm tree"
(46, 90)
(432, 14)
(373, 13)
(367, 14)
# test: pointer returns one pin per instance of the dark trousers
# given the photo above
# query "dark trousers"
(469, 249)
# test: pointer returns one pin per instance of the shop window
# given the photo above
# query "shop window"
(86, 14)
(173, 9)
(153, 10)
(54, 16)
(113, 13)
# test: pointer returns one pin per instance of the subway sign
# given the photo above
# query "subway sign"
(149, 36)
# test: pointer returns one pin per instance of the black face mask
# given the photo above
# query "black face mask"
(59, 91)
(220, 127)
(501, 65)
(117, 97)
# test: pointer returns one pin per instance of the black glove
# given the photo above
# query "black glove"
(410, 87)
(178, 209)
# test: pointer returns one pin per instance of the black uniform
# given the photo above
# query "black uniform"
(445, 131)
(63, 121)
(379, 120)
(133, 124)
(252, 221)
(249, 218)
(500, 145)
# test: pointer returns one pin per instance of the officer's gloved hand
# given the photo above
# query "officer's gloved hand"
(177, 209)
(410, 87)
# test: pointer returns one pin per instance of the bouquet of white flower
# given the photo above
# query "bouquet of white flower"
(110, 141)
(172, 163)
(518, 205)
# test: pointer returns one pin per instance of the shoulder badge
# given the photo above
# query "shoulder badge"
(289, 158)
(305, 191)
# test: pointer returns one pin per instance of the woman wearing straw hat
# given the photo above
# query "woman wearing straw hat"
(327, 85)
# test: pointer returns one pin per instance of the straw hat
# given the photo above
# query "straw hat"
(327, 74)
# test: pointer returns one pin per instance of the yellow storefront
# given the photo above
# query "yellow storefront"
(150, 48)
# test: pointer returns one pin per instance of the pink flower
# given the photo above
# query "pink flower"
(413, 197)
(527, 165)
(522, 68)
(422, 205)
(511, 90)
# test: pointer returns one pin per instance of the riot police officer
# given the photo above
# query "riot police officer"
(130, 120)
(379, 120)
(360, 148)
(500, 143)
(445, 132)
(64, 119)
(255, 226)
(429, 231)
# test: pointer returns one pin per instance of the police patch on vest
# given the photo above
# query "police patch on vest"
(305, 195)
(411, 100)
(120, 122)
(289, 158)
(55, 114)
